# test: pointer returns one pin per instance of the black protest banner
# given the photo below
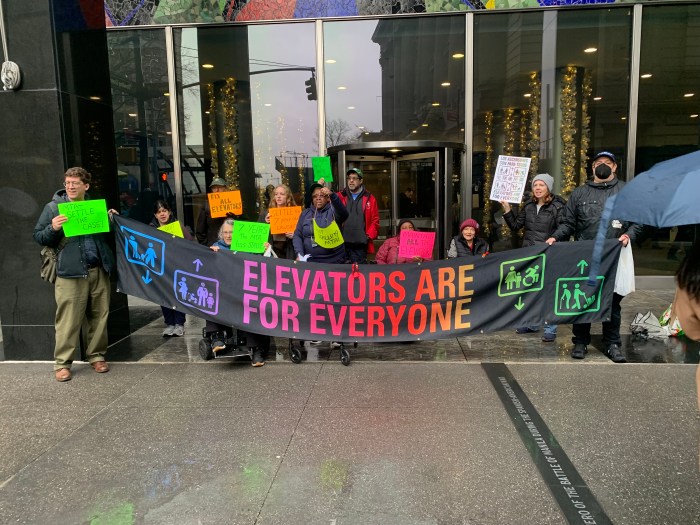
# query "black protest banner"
(431, 300)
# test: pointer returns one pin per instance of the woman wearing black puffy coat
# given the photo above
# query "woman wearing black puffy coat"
(540, 217)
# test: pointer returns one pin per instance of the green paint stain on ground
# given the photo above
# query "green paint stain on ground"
(333, 475)
(121, 515)
(253, 478)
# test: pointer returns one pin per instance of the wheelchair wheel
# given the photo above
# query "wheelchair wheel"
(344, 356)
(294, 353)
(205, 350)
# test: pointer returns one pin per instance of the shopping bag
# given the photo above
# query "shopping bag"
(269, 252)
(624, 279)
(669, 321)
(647, 325)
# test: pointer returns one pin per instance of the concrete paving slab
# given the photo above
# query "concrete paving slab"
(34, 385)
(638, 453)
(407, 465)
(155, 465)
(615, 388)
(224, 384)
(28, 432)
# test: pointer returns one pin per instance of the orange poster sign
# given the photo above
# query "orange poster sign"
(224, 202)
(284, 220)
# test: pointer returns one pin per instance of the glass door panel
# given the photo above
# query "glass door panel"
(377, 180)
(417, 176)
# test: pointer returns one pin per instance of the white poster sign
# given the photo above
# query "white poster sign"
(510, 178)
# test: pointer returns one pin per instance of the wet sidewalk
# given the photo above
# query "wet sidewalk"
(497, 429)
(320, 443)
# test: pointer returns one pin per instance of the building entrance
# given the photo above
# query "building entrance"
(421, 181)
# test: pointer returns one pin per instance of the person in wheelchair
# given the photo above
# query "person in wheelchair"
(219, 335)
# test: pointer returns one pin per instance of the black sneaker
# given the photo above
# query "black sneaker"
(258, 359)
(579, 351)
(614, 353)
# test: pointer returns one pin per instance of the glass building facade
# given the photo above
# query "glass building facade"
(422, 101)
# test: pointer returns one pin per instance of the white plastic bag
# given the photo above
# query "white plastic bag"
(269, 252)
(624, 280)
(647, 325)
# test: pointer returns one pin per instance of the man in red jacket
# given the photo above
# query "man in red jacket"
(362, 225)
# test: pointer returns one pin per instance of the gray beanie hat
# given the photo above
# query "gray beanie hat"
(546, 178)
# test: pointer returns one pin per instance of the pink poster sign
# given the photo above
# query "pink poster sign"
(412, 243)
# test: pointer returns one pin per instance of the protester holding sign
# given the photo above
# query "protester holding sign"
(174, 320)
(580, 218)
(281, 242)
(317, 235)
(362, 225)
(388, 252)
(82, 286)
(540, 217)
(467, 244)
(218, 333)
(208, 227)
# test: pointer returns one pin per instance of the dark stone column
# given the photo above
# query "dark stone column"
(60, 117)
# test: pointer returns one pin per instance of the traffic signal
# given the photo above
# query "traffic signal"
(164, 177)
(311, 88)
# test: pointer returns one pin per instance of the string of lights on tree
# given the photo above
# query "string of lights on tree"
(527, 132)
(587, 91)
(534, 114)
(569, 153)
(509, 132)
(95, 155)
(522, 132)
(488, 169)
(227, 101)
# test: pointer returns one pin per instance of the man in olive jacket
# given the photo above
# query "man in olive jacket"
(82, 286)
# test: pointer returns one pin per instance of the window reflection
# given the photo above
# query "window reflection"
(139, 78)
(394, 79)
(668, 122)
(246, 116)
(552, 86)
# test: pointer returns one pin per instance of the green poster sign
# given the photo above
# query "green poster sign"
(173, 228)
(249, 236)
(322, 168)
(84, 217)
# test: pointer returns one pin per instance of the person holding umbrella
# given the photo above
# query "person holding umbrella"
(580, 218)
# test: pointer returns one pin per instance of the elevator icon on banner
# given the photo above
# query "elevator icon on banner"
(196, 290)
(575, 297)
(521, 276)
(144, 250)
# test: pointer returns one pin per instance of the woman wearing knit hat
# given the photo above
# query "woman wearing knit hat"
(466, 243)
(540, 218)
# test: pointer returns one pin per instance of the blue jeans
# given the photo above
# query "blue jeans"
(549, 329)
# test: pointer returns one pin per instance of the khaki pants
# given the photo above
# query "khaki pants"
(77, 300)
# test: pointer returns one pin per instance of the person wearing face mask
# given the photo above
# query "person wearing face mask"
(580, 218)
